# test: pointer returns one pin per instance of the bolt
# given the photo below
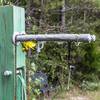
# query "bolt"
(7, 73)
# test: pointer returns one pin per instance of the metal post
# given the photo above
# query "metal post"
(69, 71)
(12, 19)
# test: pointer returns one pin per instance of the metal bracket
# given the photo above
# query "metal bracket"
(15, 34)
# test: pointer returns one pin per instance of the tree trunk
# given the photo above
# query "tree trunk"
(42, 13)
(63, 16)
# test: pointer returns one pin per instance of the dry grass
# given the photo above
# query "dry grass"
(77, 94)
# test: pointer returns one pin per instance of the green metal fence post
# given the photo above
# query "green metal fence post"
(12, 19)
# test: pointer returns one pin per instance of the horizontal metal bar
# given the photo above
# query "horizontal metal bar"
(56, 37)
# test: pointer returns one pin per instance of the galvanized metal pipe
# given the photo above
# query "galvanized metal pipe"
(56, 37)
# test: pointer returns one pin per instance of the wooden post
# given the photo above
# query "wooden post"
(12, 19)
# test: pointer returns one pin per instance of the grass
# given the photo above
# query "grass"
(76, 94)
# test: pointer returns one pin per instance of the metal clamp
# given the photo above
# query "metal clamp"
(14, 36)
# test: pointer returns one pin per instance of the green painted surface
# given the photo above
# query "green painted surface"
(20, 92)
(11, 20)
(19, 89)
(19, 26)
